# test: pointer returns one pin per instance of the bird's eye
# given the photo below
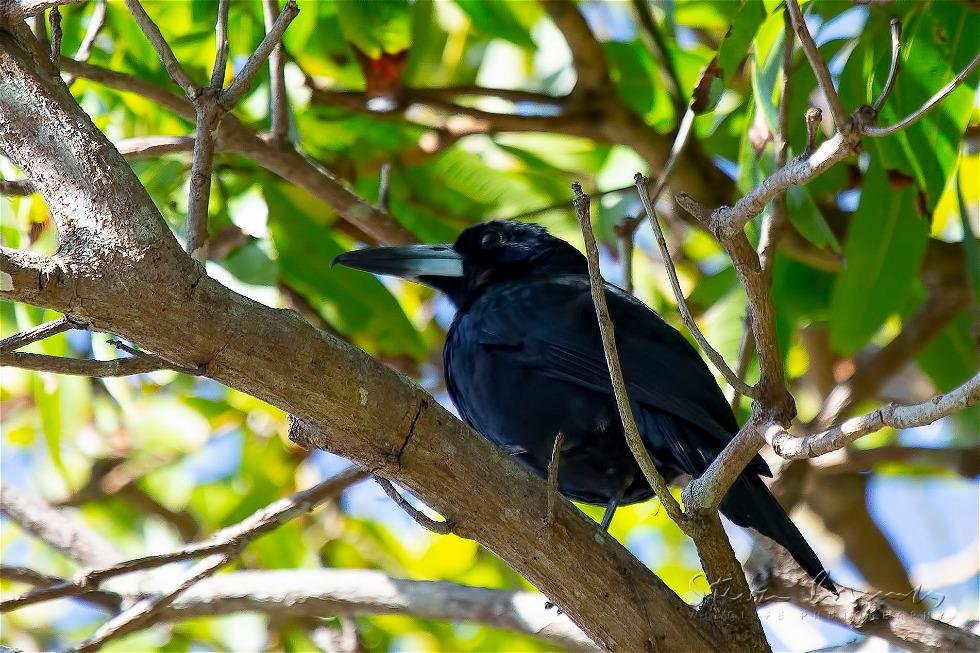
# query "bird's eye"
(491, 239)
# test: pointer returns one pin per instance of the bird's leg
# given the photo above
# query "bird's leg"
(553, 479)
(610, 511)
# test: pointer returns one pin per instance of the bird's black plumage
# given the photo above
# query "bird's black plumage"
(524, 361)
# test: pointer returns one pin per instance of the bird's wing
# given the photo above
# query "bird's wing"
(557, 333)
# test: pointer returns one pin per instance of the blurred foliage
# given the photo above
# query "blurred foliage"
(201, 456)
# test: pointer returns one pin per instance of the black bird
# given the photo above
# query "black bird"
(524, 362)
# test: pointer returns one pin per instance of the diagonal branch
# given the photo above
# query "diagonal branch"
(898, 417)
(607, 331)
(227, 541)
(927, 106)
(243, 80)
(37, 333)
(841, 120)
(155, 37)
(717, 359)
(420, 518)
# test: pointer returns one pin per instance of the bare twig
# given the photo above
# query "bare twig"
(437, 527)
(243, 80)
(813, 117)
(206, 117)
(153, 34)
(928, 106)
(16, 187)
(56, 527)
(841, 120)
(55, 18)
(898, 417)
(553, 476)
(39, 332)
(221, 46)
(135, 617)
(83, 367)
(279, 102)
(774, 224)
(384, 186)
(228, 540)
(95, 25)
(896, 31)
(607, 330)
(716, 359)
(870, 613)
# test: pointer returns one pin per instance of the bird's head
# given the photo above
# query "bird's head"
(483, 255)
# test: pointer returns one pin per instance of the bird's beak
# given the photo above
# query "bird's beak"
(409, 262)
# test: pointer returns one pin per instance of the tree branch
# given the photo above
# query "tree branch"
(869, 613)
(56, 527)
(159, 43)
(894, 67)
(279, 101)
(243, 80)
(420, 518)
(717, 359)
(928, 106)
(86, 367)
(841, 120)
(37, 333)
(898, 417)
(17, 10)
(228, 541)
(607, 330)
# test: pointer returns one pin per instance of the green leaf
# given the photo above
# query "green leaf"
(377, 27)
(807, 218)
(504, 19)
(355, 302)
(735, 46)
(885, 245)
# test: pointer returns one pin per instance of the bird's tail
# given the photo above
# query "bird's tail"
(750, 504)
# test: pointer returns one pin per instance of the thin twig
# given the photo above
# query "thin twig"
(607, 331)
(898, 417)
(153, 34)
(55, 18)
(141, 613)
(95, 25)
(437, 527)
(624, 245)
(841, 120)
(384, 186)
(279, 102)
(243, 80)
(228, 540)
(221, 46)
(553, 477)
(716, 359)
(773, 225)
(81, 367)
(206, 117)
(17, 187)
(927, 106)
(39, 332)
(896, 31)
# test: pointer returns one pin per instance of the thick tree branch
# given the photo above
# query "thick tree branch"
(898, 417)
